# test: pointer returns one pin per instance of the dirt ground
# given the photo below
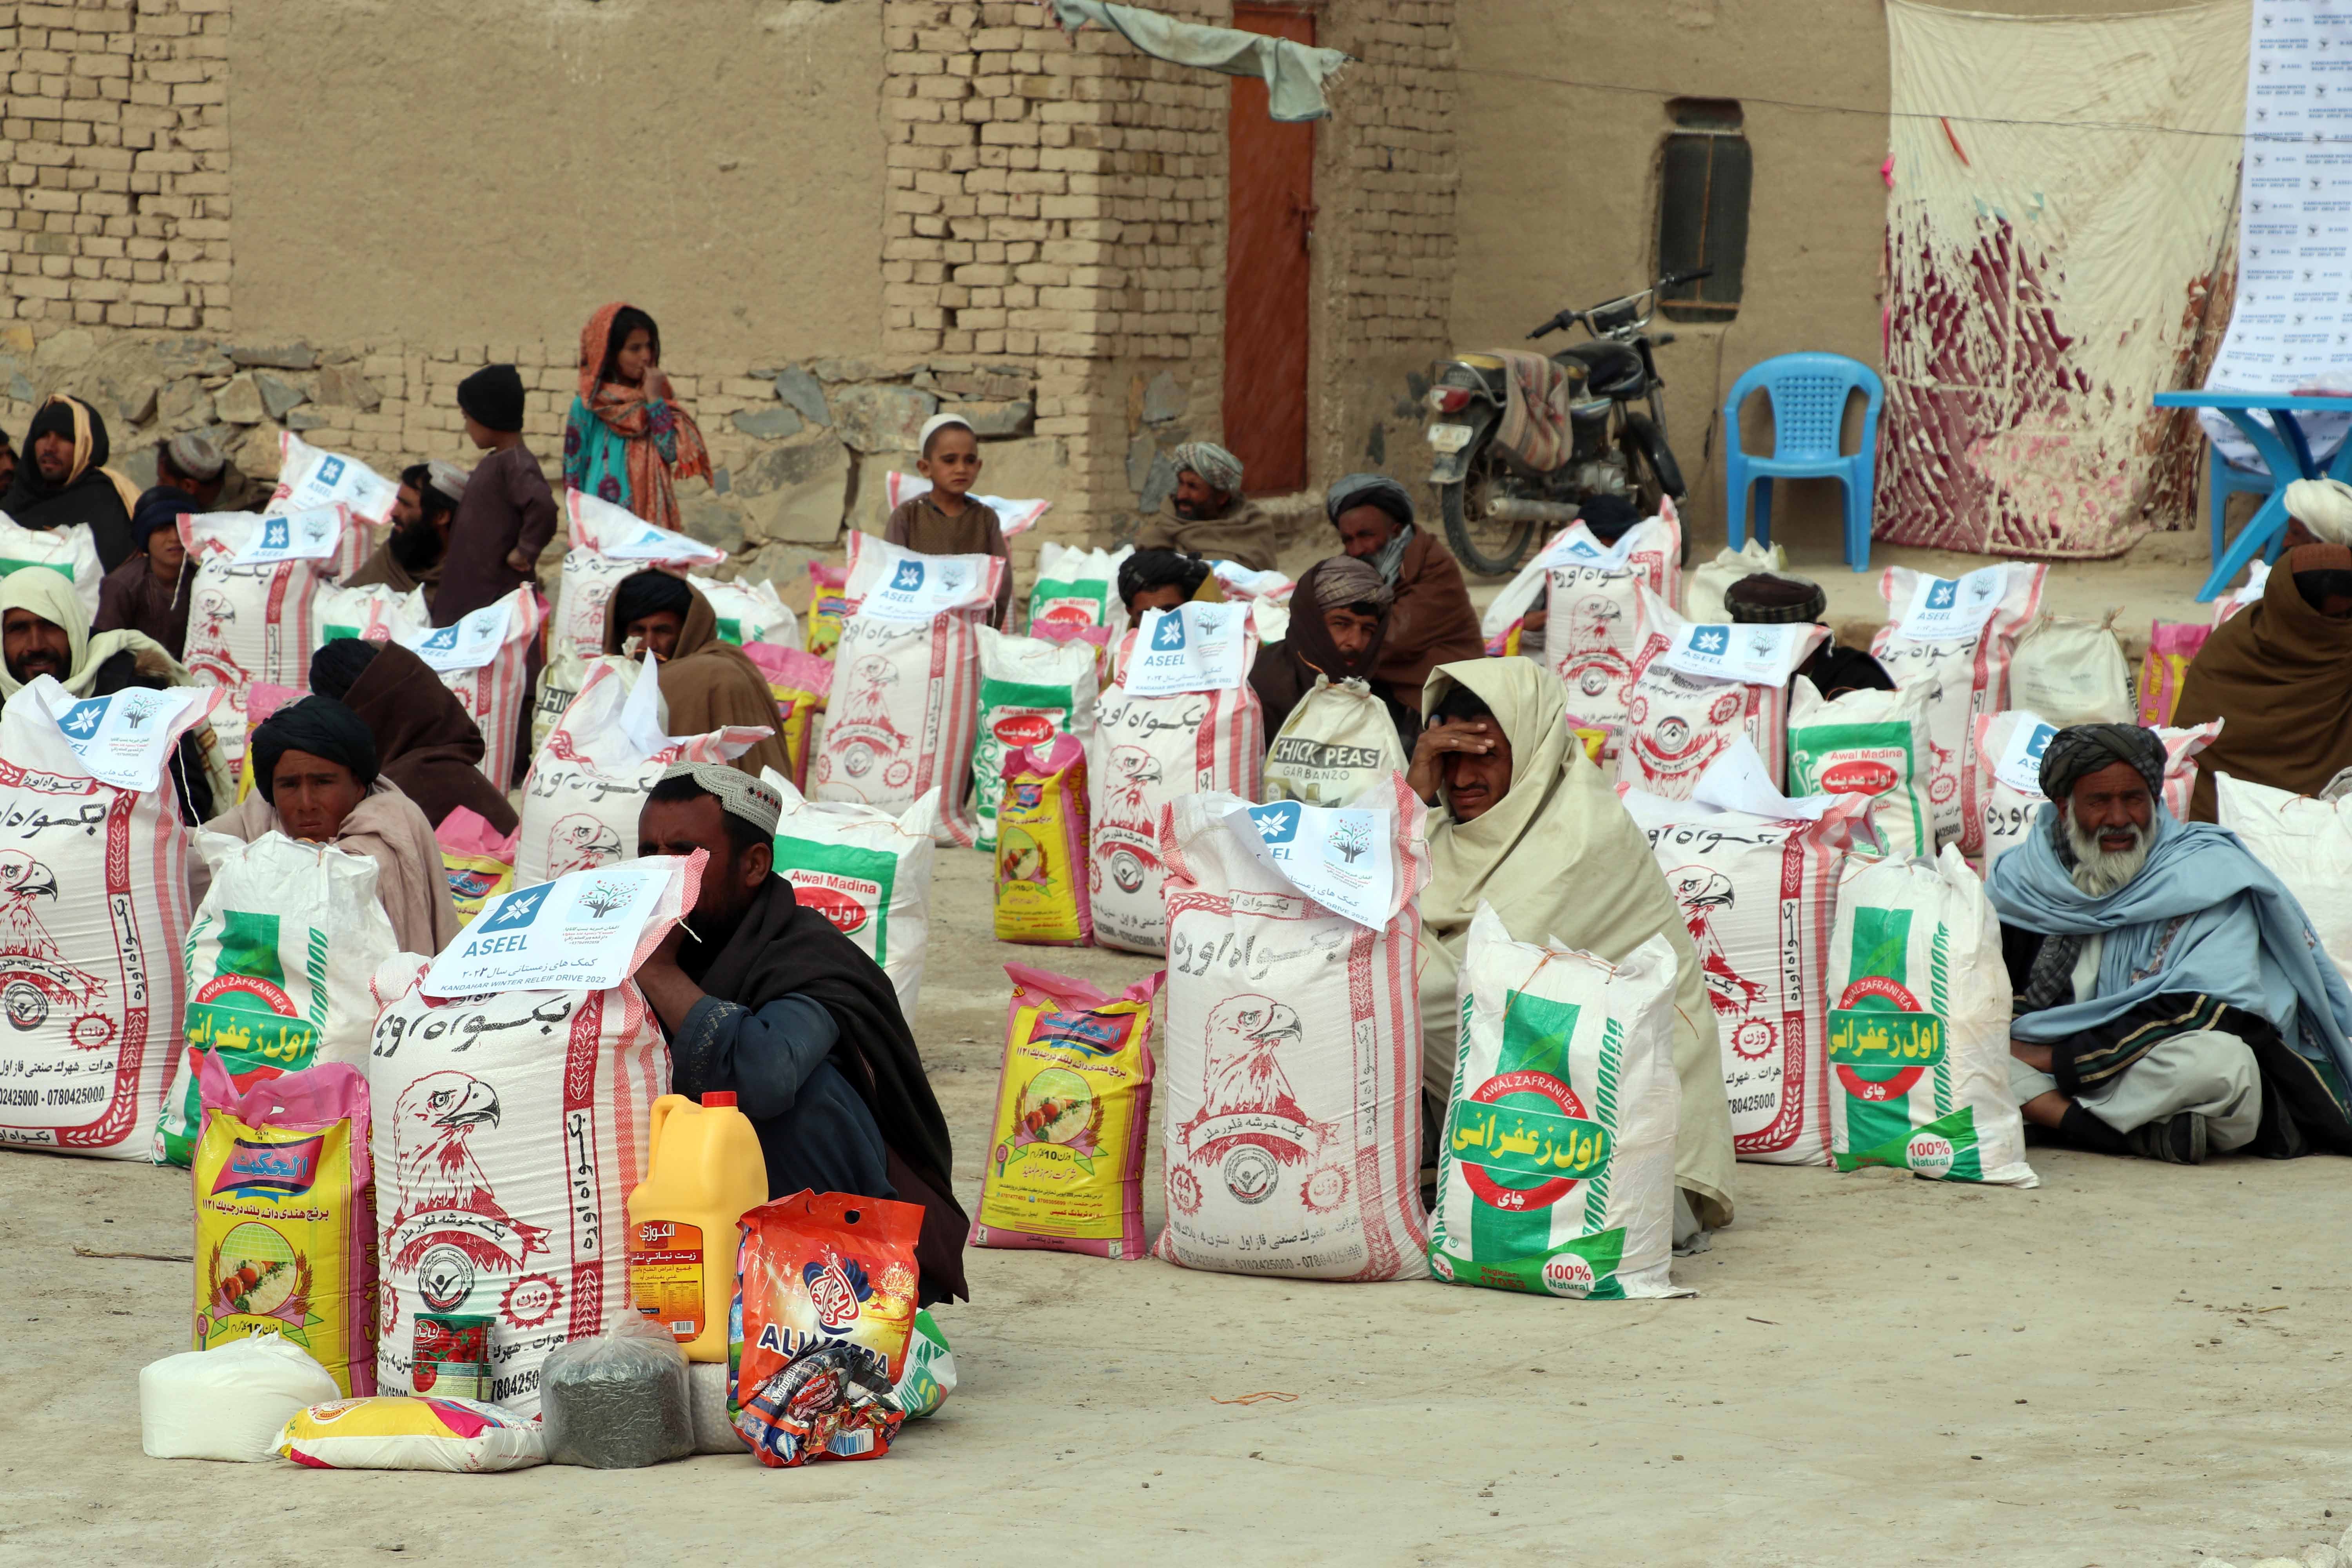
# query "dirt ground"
(2135, 1364)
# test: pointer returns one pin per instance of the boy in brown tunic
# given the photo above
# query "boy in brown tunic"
(945, 520)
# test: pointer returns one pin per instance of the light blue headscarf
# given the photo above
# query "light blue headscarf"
(2244, 941)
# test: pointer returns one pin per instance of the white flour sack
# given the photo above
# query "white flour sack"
(1078, 588)
(610, 542)
(375, 614)
(1918, 1027)
(2071, 672)
(1030, 692)
(906, 675)
(1592, 628)
(866, 871)
(482, 657)
(70, 551)
(1292, 1059)
(510, 1123)
(249, 606)
(2307, 843)
(1652, 547)
(278, 964)
(1336, 743)
(1556, 1161)
(308, 478)
(1955, 637)
(1147, 750)
(1759, 895)
(1696, 688)
(93, 912)
(1867, 743)
(2007, 755)
(588, 784)
(750, 612)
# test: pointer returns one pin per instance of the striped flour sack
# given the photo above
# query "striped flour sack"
(308, 478)
(94, 909)
(1292, 1060)
(899, 721)
(1918, 1027)
(1556, 1163)
(1695, 689)
(250, 611)
(1867, 743)
(867, 870)
(588, 784)
(610, 542)
(1759, 895)
(1147, 751)
(1592, 630)
(483, 657)
(1955, 637)
(1078, 588)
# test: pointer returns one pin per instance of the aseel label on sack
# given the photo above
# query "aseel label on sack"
(1953, 609)
(577, 932)
(1192, 648)
(1331, 854)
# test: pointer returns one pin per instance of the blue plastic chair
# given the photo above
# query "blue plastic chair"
(2224, 479)
(1808, 393)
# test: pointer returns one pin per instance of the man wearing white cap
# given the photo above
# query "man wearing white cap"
(410, 555)
(191, 463)
(2318, 511)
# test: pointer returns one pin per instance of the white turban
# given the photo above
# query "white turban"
(2323, 506)
(448, 478)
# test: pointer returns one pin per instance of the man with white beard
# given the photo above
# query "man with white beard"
(2171, 1001)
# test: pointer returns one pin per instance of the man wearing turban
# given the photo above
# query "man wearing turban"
(1209, 516)
(315, 779)
(2171, 1000)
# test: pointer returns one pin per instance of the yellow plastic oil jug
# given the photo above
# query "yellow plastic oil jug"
(706, 1171)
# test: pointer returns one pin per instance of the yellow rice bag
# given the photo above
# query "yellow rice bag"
(1041, 847)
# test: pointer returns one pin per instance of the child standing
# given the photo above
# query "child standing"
(945, 520)
(627, 441)
(503, 522)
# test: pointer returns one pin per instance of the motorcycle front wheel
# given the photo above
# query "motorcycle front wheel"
(1482, 545)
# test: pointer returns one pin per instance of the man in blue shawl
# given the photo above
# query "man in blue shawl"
(2171, 1000)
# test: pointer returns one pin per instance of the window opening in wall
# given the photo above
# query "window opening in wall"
(1704, 176)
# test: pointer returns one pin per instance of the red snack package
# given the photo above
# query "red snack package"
(825, 1302)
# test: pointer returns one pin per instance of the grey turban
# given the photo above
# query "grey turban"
(1368, 489)
(1344, 580)
(740, 795)
(2085, 749)
(1218, 469)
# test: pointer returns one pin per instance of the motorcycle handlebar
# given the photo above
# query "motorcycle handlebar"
(1671, 278)
(1562, 320)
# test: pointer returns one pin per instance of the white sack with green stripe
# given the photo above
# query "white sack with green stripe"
(278, 965)
(1556, 1164)
(867, 870)
(1030, 692)
(1918, 1027)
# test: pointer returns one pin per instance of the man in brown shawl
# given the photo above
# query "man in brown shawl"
(144, 594)
(425, 741)
(1208, 515)
(707, 681)
(1339, 619)
(2276, 673)
(1431, 621)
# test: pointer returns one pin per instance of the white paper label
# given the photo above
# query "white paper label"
(469, 643)
(1192, 648)
(1248, 584)
(915, 588)
(1953, 609)
(1758, 655)
(309, 535)
(2020, 761)
(335, 478)
(1337, 857)
(575, 934)
(1738, 781)
(1578, 547)
(651, 543)
(123, 740)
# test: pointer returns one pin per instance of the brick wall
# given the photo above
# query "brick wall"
(1053, 262)
(115, 136)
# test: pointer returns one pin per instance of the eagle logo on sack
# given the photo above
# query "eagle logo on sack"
(34, 975)
(445, 1211)
(1250, 1118)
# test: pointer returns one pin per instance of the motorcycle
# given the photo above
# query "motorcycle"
(1611, 441)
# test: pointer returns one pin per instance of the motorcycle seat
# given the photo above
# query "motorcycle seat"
(1610, 369)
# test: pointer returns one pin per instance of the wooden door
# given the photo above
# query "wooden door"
(1270, 214)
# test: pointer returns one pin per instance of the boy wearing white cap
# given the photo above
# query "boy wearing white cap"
(946, 519)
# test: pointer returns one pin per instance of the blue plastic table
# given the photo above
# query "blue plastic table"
(2284, 449)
